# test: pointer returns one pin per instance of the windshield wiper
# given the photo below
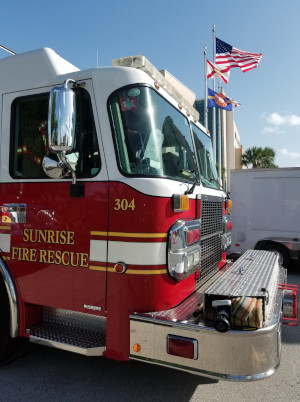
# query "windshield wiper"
(190, 172)
(191, 190)
(219, 184)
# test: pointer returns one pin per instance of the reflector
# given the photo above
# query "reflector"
(182, 347)
(290, 304)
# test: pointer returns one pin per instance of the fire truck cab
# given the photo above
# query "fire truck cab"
(114, 226)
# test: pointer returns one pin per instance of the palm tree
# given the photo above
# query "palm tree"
(268, 158)
(259, 157)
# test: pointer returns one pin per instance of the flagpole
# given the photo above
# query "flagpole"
(219, 141)
(205, 88)
(213, 136)
(7, 50)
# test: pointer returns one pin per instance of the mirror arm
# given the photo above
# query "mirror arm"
(67, 164)
(67, 82)
(76, 189)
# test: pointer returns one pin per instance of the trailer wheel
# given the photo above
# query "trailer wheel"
(283, 255)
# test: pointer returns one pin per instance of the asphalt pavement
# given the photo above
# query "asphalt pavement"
(46, 374)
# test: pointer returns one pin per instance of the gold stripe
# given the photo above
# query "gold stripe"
(146, 271)
(6, 258)
(123, 234)
(5, 227)
(95, 268)
(93, 233)
(131, 271)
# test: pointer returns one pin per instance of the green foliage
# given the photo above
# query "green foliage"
(259, 157)
(223, 171)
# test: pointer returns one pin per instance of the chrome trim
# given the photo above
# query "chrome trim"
(90, 307)
(209, 374)
(98, 351)
(211, 232)
(61, 118)
(236, 355)
(207, 197)
(123, 265)
(12, 298)
(54, 166)
(70, 330)
(177, 203)
(179, 251)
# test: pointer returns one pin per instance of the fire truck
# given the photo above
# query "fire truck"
(114, 226)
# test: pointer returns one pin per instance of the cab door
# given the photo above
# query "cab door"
(49, 238)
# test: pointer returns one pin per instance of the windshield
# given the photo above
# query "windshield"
(204, 151)
(151, 136)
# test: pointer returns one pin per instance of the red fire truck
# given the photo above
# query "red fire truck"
(114, 227)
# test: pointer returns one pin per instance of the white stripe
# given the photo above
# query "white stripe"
(137, 253)
(98, 250)
(5, 242)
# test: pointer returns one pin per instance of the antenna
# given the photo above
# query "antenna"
(6, 49)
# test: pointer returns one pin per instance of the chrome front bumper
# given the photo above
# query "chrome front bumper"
(234, 355)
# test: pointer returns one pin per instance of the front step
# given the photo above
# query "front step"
(68, 330)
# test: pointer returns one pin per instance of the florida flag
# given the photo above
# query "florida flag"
(217, 71)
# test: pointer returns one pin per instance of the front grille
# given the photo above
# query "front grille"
(211, 215)
(211, 230)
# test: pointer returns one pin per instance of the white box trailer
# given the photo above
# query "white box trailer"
(266, 211)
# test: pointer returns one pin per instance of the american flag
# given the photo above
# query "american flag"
(232, 57)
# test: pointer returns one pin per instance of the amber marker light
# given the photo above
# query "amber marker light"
(180, 203)
(185, 203)
(156, 84)
(229, 205)
(137, 348)
(120, 267)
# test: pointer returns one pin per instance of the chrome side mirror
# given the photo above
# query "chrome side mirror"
(61, 136)
(61, 119)
(55, 167)
(61, 132)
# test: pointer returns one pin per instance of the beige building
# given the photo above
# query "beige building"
(232, 149)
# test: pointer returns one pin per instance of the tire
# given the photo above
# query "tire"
(283, 255)
(5, 339)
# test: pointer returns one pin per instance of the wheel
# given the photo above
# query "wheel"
(5, 339)
(283, 255)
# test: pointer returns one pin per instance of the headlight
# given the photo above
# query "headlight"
(226, 236)
(184, 249)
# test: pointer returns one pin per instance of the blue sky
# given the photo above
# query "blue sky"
(172, 34)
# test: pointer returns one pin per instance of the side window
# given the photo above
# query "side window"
(29, 137)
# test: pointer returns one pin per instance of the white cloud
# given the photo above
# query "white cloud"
(276, 121)
(269, 130)
(289, 154)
